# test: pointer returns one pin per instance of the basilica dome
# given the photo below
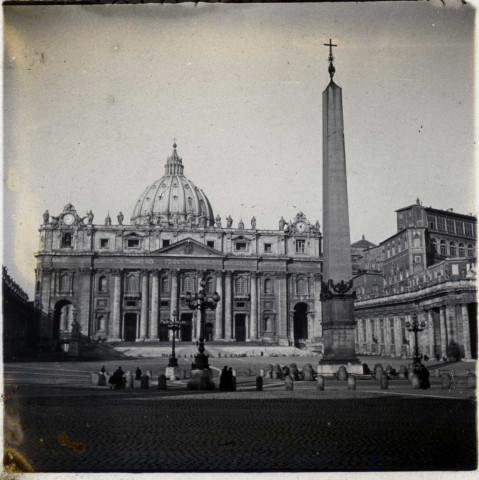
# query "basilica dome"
(173, 199)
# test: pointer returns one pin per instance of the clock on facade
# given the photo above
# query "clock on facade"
(301, 226)
(68, 219)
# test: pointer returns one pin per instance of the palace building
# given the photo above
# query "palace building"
(426, 269)
(120, 282)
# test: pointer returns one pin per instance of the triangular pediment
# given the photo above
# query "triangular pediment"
(189, 247)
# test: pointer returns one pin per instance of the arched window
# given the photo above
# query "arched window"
(268, 286)
(443, 247)
(165, 285)
(241, 285)
(132, 283)
(452, 249)
(67, 240)
(102, 284)
(434, 245)
(302, 286)
(39, 285)
(462, 252)
(470, 250)
(187, 284)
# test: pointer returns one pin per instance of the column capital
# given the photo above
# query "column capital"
(116, 272)
(47, 270)
(86, 271)
(254, 274)
(228, 273)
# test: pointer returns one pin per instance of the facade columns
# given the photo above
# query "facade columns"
(451, 323)
(144, 306)
(253, 331)
(219, 308)
(398, 335)
(228, 306)
(431, 334)
(317, 325)
(466, 335)
(442, 323)
(116, 305)
(154, 305)
(282, 299)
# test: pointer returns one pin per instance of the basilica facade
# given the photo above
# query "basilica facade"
(122, 282)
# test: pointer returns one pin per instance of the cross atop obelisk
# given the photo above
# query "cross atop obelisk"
(331, 68)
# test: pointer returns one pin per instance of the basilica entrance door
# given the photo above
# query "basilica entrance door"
(300, 323)
(129, 331)
(186, 319)
(240, 327)
(209, 332)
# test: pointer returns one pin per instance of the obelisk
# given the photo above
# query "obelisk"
(336, 288)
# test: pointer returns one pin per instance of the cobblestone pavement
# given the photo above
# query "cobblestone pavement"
(63, 423)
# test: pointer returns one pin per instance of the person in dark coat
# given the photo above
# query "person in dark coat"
(224, 379)
(102, 370)
(138, 373)
(231, 381)
(424, 377)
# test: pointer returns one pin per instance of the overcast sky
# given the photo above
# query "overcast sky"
(94, 96)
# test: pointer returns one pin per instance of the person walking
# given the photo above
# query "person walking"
(224, 379)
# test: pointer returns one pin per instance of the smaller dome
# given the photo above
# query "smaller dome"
(173, 199)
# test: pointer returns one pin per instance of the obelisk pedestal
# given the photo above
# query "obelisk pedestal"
(336, 294)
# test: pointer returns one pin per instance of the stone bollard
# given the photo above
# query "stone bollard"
(129, 380)
(342, 373)
(261, 373)
(259, 383)
(471, 380)
(94, 378)
(234, 381)
(293, 370)
(320, 382)
(445, 381)
(378, 372)
(145, 379)
(384, 381)
(415, 381)
(161, 382)
(288, 382)
(148, 372)
(351, 382)
(101, 380)
(308, 373)
(183, 374)
(205, 382)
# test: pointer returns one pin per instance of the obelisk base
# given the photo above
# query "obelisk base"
(338, 333)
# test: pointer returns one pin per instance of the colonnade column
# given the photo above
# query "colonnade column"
(154, 306)
(442, 324)
(173, 297)
(254, 307)
(219, 308)
(451, 324)
(282, 309)
(466, 335)
(431, 333)
(144, 306)
(115, 333)
(228, 306)
(398, 335)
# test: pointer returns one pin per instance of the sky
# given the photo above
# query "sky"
(95, 95)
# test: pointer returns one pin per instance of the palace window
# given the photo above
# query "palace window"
(300, 246)
(66, 240)
(241, 285)
(268, 286)
(132, 283)
(459, 227)
(165, 243)
(468, 229)
(431, 220)
(450, 225)
(441, 224)
(268, 247)
(133, 242)
(470, 250)
(210, 243)
(462, 252)
(241, 246)
(187, 284)
(104, 242)
(443, 247)
(102, 284)
(452, 249)
(165, 285)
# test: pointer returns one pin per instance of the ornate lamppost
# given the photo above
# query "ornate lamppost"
(173, 325)
(415, 327)
(202, 302)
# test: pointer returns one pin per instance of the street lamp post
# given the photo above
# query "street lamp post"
(174, 325)
(415, 327)
(202, 302)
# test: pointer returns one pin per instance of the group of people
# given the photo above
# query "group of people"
(117, 379)
(227, 380)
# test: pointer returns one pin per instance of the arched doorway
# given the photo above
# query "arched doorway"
(240, 327)
(62, 318)
(300, 323)
(186, 327)
(129, 327)
(209, 332)
(163, 333)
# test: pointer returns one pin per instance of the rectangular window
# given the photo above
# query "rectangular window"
(164, 303)
(66, 240)
(166, 243)
(268, 247)
(240, 304)
(459, 227)
(441, 224)
(431, 220)
(468, 229)
(300, 246)
(240, 246)
(131, 303)
(450, 225)
(210, 243)
(133, 243)
(104, 242)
